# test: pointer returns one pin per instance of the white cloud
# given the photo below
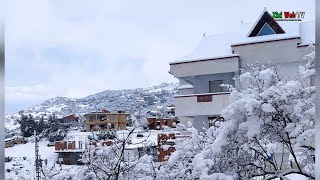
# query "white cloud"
(109, 44)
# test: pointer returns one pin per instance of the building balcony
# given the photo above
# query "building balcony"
(201, 104)
(69, 146)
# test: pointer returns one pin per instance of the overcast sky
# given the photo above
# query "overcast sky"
(76, 48)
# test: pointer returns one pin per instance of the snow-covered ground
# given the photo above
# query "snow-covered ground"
(24, 168)
(22, 165)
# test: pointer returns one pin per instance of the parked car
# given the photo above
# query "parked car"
(50, 144)
(10, 142)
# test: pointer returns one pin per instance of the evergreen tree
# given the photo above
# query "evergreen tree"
(27, 125)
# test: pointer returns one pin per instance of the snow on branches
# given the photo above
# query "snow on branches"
(268, 131)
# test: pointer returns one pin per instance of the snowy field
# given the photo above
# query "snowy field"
(23, 156)
(24, 169)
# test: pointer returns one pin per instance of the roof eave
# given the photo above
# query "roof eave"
(204, 59)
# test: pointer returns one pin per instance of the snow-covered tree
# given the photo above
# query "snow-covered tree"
(113, 162)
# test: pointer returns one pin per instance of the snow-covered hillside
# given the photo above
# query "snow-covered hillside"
(129, 100)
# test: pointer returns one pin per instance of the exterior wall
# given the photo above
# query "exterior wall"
(189, 106)
(139, 152)
(185, 91)
(69, 158)
(196, 68)
(184, 120)
(201, 83)
(61, 145)
(201, 123)
(184, 87)
(285, 55)
(274, 52)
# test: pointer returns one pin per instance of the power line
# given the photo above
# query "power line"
(37, 157)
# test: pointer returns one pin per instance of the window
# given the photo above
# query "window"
(102, 117)
(91, 118)
(265, 30)
(204, 98)
(111, 117)
(214, 86)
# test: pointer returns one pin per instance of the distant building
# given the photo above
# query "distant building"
(158, 123)
(70, 120)
(168, 141)
(166, 146)
(106, 120)
(69, 152)
(139, 151)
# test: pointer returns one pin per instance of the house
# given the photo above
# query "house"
(139, 150)
(70, 120)
(69, 152)
(158, 123)
(220, 59)
(105, 120)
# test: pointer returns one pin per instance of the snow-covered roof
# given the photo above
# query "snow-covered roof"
(219, 45)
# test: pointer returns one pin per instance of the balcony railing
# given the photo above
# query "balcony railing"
(201, 104)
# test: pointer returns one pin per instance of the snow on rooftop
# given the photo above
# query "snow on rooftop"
(219, 45)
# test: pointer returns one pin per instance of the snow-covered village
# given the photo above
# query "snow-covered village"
(237, 103)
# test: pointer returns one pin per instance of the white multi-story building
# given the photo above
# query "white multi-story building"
(219, 59)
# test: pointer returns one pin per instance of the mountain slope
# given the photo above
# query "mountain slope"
(129, 100)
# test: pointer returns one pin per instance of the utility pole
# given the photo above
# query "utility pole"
(37, 157)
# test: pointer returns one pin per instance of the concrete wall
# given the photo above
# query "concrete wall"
(205, 67)
(184, 120)
(283, 54)
(201, 123)
(275, 52)
(189, 105)
(185, 91)
(69, 158)
(201, 83)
